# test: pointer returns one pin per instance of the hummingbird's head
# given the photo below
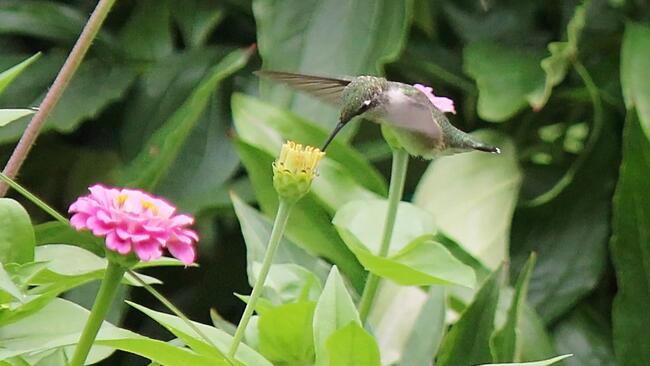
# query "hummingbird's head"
(361, 95)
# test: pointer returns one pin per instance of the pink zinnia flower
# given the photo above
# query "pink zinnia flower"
(442, 103)
(133, 220)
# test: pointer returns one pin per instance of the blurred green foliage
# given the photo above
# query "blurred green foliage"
(166, 100)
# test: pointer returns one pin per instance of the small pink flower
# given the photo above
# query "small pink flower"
(133, 220)
(442, 103)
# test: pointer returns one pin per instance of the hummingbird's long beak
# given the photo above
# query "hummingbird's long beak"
(336, 130)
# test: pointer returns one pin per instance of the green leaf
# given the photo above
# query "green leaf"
(352, 346)
(334, 311)
(568, 232)
(309, 225)
(65, 322)
(289, 283)
(414, 258)
(505, 342)
(392, 319)
(9, 115)
(82, 100)
(428, 330)
(264, 126)
(535, 363)
(7, 76)
(162, 149)
(286, 333)
(635, 81)
(257, 230)
(556, 65)
(473, 197)
(55, 232)
(364, 220)
(629, 248)
(468, 341)
(326, 38)
(44, 19)
(8, 286)
(147, 34)
(70, 266)
(506, 78)
(197, 19)
(219, 338)
(17, 236)
(587, 335)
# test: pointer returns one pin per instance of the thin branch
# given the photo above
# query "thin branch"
(54, 94)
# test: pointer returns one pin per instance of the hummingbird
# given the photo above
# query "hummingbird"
(411, 113)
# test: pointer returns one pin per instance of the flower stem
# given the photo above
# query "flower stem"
(397, 178)
(279, 225)
(110, 284)
(58, 87)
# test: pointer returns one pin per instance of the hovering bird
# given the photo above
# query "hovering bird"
(414, 116)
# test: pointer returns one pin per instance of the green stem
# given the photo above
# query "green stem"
(397, 178)
(110, 284)
(54, 93)
(280, 223)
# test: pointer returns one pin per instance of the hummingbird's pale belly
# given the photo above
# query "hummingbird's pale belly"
(409, 113)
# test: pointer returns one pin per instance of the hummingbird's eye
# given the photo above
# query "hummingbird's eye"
(365, 105)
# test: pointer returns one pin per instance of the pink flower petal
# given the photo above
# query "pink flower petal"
(148, 250)
(442, 103)
(185, 253)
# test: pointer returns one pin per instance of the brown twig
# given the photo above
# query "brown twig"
(54, 94)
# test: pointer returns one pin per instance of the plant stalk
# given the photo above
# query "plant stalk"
(281, 218)
(110, 284)
(54, 94)
(395, 191)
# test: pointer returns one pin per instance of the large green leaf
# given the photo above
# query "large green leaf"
(352, 346)
(635, 81)
(473, 196)
(427, 332)
(162, 149)
(44, 19)
(324, 37)
(286, 332)
(257, 230)
(82, 99)
(630, 248)
(562, 54)
(468, 341)
(506, 77)
(263, 125)
(569, 231)
(17, 236)
(587, 335)
(309, 225)
(392, 319)
(334, 311)
(8, 286)
(65, 321)
(506, 342)
(7, 76)
(414, 257)
(147, 34)
(217, 337)
(197, 19)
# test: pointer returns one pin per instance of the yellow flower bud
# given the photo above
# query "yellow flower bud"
(295, 169)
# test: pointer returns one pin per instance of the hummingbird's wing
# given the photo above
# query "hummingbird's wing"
(327, 89)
